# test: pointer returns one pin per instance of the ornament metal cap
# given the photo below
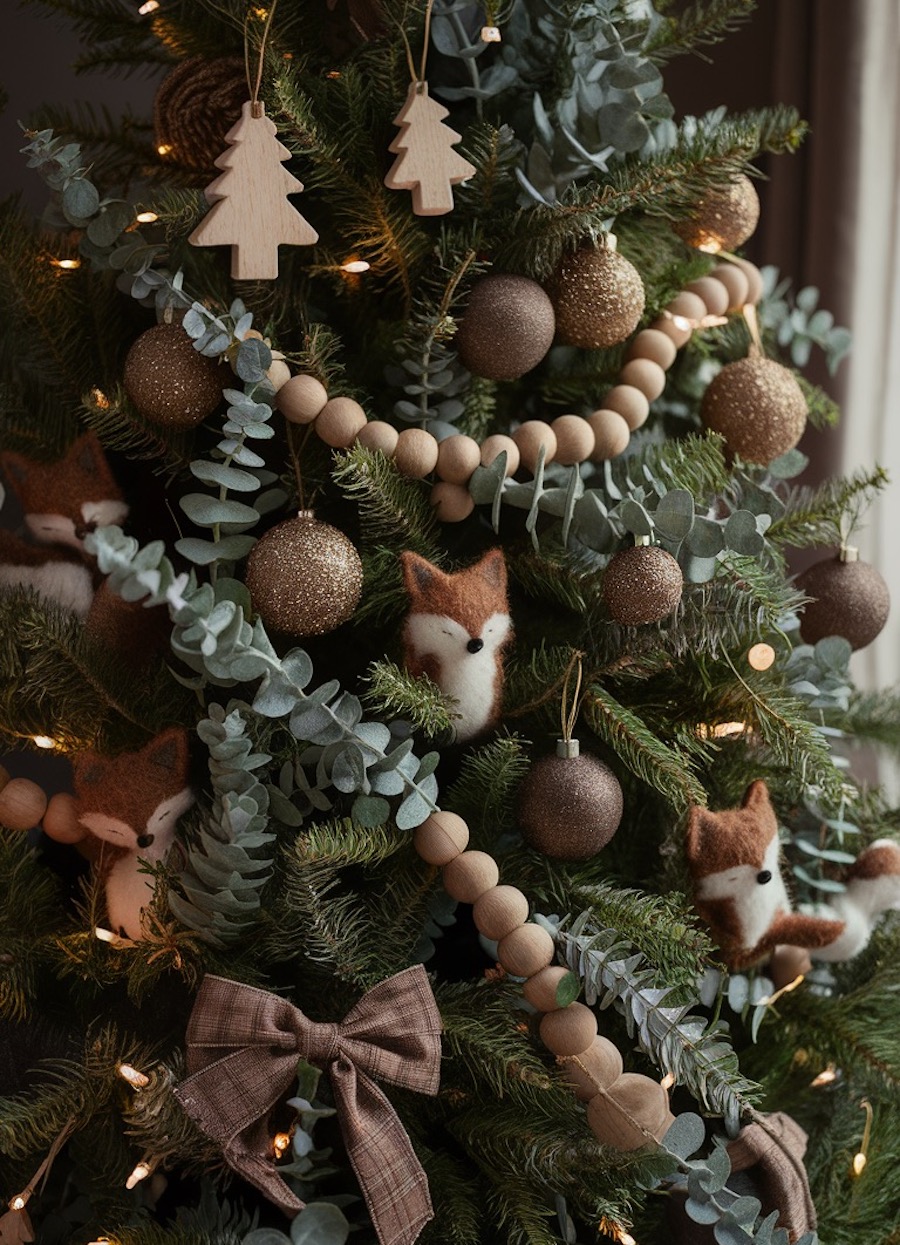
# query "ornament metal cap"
(849, 553)
(568, 748)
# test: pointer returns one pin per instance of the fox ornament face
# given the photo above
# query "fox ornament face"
(456, 632)
(733, 857)
(132, 803)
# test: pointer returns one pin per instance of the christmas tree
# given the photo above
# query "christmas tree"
(456, 840)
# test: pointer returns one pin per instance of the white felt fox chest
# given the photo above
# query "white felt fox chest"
(468, 666)
(756, 904)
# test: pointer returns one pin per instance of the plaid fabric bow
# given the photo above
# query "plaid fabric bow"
(243, 1045)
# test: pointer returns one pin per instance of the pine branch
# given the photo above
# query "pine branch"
(121, 429)
(30, 912)
(698, 25)
(485, 791)
(393, 510)
(874, 716)
(822, 410)
(393, 693)
(813, 516)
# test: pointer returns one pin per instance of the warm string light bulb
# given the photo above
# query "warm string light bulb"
(135, 1079)
(149, 6)
(141, 1172)
(146, 218)
(668, 1080)
(356, 266)
(66, 265)
(490, 34)
(43, 741)
(826, 1077)
(761, 656)
(164, 149)
(280, 1143)
(114, 940)
(860, 1159)
(18, 1202)
(99, 399)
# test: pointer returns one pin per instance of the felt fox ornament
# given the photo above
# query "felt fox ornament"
(456, 632)
(131, 805)
(62, 501)
(733, 857)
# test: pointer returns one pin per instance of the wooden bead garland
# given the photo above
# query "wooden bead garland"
(61, 822)
(22, 804)
(569, 439)
(624, 1109)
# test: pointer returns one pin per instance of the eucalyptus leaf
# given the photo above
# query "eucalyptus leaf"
(674, 516)
(321, 1223)
(685, 1136)
(370, 811)
(208, 511)
(705, 538)
(205, 552)
(226, 477)
(80, 200)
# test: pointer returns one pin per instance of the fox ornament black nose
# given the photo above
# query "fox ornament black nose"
(764, 876)
(475, 646)
(144, 840)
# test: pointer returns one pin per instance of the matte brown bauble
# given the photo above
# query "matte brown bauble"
(171, 383)
(304, 577)
(850, 599)
(724, 219)
(758, 407)
(641, 585)
(569, 806)
(598, 297)
(506, 329)
(195, 107)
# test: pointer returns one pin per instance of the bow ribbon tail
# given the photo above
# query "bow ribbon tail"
(392, 1180)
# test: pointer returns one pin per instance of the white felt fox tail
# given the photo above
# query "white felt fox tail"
(873, 887)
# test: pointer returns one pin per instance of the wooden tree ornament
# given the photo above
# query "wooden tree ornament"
(426, 163)
(250, 211)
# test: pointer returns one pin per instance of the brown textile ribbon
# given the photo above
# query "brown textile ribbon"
(243, 1045)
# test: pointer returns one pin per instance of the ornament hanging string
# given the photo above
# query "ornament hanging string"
(568, 712)
(253, 85)
(419, 78)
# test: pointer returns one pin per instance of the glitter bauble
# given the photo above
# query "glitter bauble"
(506, 329)
(723, 219)
(171, 383)
(195, 107)
(850, 599)
(598, 297)
(570, 806)
(304, 577)
(641, 585)
(758, 407)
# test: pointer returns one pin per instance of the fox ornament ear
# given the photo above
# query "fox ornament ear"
(131, 804)
(456, 632)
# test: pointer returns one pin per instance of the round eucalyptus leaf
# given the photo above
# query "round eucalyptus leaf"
(674, 516)
(634, 518)
(705, 538)
(741, 533)
(623, 127)
(80, 199)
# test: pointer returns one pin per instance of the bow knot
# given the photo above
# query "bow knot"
(242, 1050)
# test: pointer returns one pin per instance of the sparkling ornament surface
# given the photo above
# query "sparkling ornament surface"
(642, 585)
(170, 382)
(506, 329)
(598, 297)
(758, 407)
(570, 807)
(851, 600)
(195, 107)
(724, 219)
(304, 577)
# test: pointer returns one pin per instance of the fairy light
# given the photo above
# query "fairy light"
(280, 1143)
(135, 1079)
(114, 940)
(709, 245)
(146, 218)
(720, 730)
(18, 1202)
(490, 34)
(356, 265)
(668, 1080)
(149, 6)
(43, 741)
(164, 149)
(826, 1077)
(99, 399)
(66, 265)
(141, 1172)
(682, 322)
(761, 656)
(860, 1159)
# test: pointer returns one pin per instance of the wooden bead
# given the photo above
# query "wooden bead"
(529, 437)
(597, 1068)
(301, 399)
(377, 435)
(632, 1104)
(570, 1030)
(526, 950)
(574, 439)
(541, 990)
(687, 306)
(339, 422)
(611, 434)
(499, 444)
(279, 374)
(452, 502)
(653, 345)
(22, 804)
(630, 403)
(458, 456)
(754, 279)
(679, 334)
(416, 454)
(469, 875)
(736, 283)
(499, 911)
(645, 375)
(713, 293)
(60, 821)
(441, 838)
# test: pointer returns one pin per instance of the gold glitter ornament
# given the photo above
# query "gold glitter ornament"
(850, 599)
(171, 383)
(570, 804)
(506, 329)
(304, 577)
(723, 219)
(598, 297)
(642, 584)
(758, 407)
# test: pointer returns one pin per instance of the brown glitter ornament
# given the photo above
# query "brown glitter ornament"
(758, 407)
(851, 599)
(305, 577)
(171, 383)
(195, 106)
(570, 804)
(598, 297)
(641, 585)
(723, 219)
(506, 329)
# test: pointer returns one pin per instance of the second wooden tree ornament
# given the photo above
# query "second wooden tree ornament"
(250, 211)
(426, 163)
